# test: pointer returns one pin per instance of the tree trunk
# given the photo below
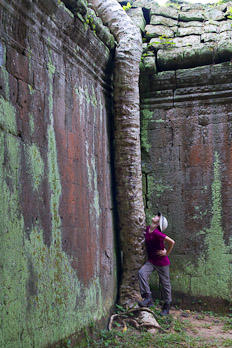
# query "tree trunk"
(127, 143)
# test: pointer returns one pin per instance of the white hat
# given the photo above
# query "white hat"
(163, 223)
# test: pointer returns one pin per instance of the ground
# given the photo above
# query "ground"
(206, 325)
(182, 329)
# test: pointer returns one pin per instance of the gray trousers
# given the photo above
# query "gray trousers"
(163, 272)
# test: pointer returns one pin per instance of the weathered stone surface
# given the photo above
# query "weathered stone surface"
(186, 124)
(160, 81)
(192, 15)
(161, 43)
(136, 15)
(190, 24)
(214, 14)
(101, 30)
(169, 60)
(148, 64)
(57, 242)
(225, 26)
(164, 11)
(185, 57)
(224, 51)
(192, 7)
(224, 36)
(191, 40)
(76, 6)
(206, 37)
(190, 31)
(222, 7)
(143, 3)
(145, 47)
(161, 20)
(170, 28)
(158, 30)
(192, 77)
(211, 27)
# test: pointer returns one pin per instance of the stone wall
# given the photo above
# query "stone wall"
(186, 127)
(186, 114)
(183, 36)
(58, 272)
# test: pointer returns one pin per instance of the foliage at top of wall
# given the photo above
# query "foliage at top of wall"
(82, 10)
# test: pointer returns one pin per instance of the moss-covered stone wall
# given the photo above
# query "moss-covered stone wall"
(182, 36)
(186, 132)
(186, 106)
(58, 271)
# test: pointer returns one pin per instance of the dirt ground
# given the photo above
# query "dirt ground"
(203, 324)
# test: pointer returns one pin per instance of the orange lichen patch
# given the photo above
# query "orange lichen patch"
(79, 235)
(201, 155)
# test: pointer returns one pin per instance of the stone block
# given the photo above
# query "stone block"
(170, 60)
(161, 20)
(143, 3)
(192, 15)
(161, 43)
(163, 80)
(18, 65)
(145, 47)
(207, 37)
(214, 14)
(185, 57)
(59, 97)
(222, 7)
(136, 14)
(74, 146)
(211, 28)
(76, 6)
(191, 40)
(148, 64)
(189, 31)
(224, 51)
(37, 121)
(158, 30)
(190, 24)
(225, 26)
(224, 36)
(164, 11)
(219, 71)
(106, 37)
(8, 85)
(192, 77)
(2, 53)
(201, 55)
(192, 7)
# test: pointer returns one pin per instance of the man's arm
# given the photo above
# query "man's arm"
(170, 242)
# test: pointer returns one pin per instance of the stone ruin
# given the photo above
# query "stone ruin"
(183, 36)
(57, 211)
(186, 135)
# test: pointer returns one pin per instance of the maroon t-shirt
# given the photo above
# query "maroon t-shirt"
(154, 242)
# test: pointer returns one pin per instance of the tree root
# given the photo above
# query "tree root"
(142, 318)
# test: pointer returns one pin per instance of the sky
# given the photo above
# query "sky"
(161, 2)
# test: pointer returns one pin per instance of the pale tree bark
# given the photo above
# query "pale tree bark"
(127, 143)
